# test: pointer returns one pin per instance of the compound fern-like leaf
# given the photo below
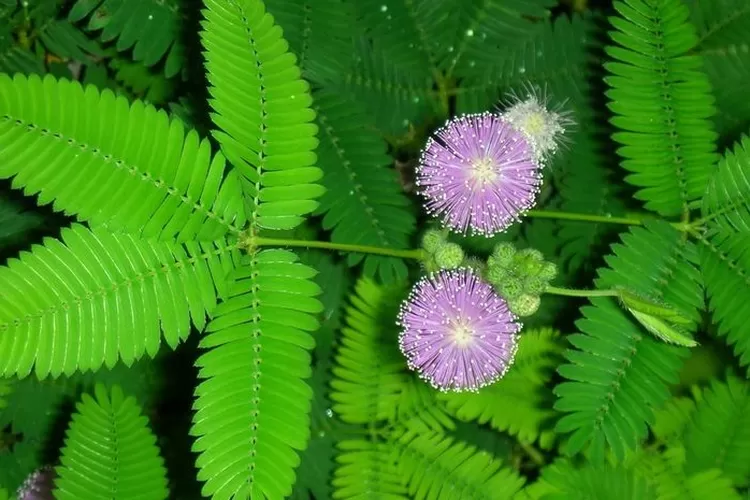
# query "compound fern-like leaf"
(15, 223)
(618, 374)
(395, 98)
(16, 59)
(418, 409)
(150, 27)
(727, 199)
(672, 418)
(98, 297)
(666, 471)
(724, 45)
(488, 27)
(126, 166)
(718, 436)
(63, 39)
(436, 467)
(262, 110)
(5, 388)
(662, 104)
(110, 452)
(366, 469)
(369, 371)
(519, 403)
(555, 56)
(253, 405)
(319, 33)
(725, 263)
(364, 203)
(563, 481)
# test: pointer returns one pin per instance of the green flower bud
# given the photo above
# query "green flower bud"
(510, 288)
(503, 254)
(528, 262)
(432, 240)
(475, 264)
(535, 286)
(524, 305)
(496, 275)
(528, 255)
(449, 256)
(430, 265)
(548, 271)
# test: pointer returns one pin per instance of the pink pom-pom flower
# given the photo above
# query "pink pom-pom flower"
(457, 333)
(479, 172)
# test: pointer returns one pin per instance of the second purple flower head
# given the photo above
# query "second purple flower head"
(457, 333)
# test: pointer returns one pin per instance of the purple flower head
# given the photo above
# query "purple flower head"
(479, 172)
(38, 486)
(457, 333)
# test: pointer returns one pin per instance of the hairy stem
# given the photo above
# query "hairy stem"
(344, 247)
(570, 292)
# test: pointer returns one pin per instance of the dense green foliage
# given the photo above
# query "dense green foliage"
(163, 162)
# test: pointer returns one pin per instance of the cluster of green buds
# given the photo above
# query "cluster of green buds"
(520, 276)
(440, 253)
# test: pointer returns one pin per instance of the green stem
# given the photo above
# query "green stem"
(542, 214)
(533, 453)
(418, 254)
(569, 292)
(344, 247)
(606, 219)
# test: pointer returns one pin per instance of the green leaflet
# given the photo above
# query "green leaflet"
(99, 297)
(727, 199)
(645, 306)
(667, 332)
(124, 166)
(723, 43)
(662, 104)
(725, 265)
(369, 371)
(616, 373)
(319, 33)
(5, 388)
(364, 202)
(562, 480)
(15, 223)
(436, 467)
(664, 322)
(366, 468)
(256, 354)
(126, 461)
(262, 112)
(718, 434)
(127, 23)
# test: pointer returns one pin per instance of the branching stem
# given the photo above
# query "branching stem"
(418, 254)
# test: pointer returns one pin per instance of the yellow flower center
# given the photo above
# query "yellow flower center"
(483, 171)
(534, 124)
(462, 334)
